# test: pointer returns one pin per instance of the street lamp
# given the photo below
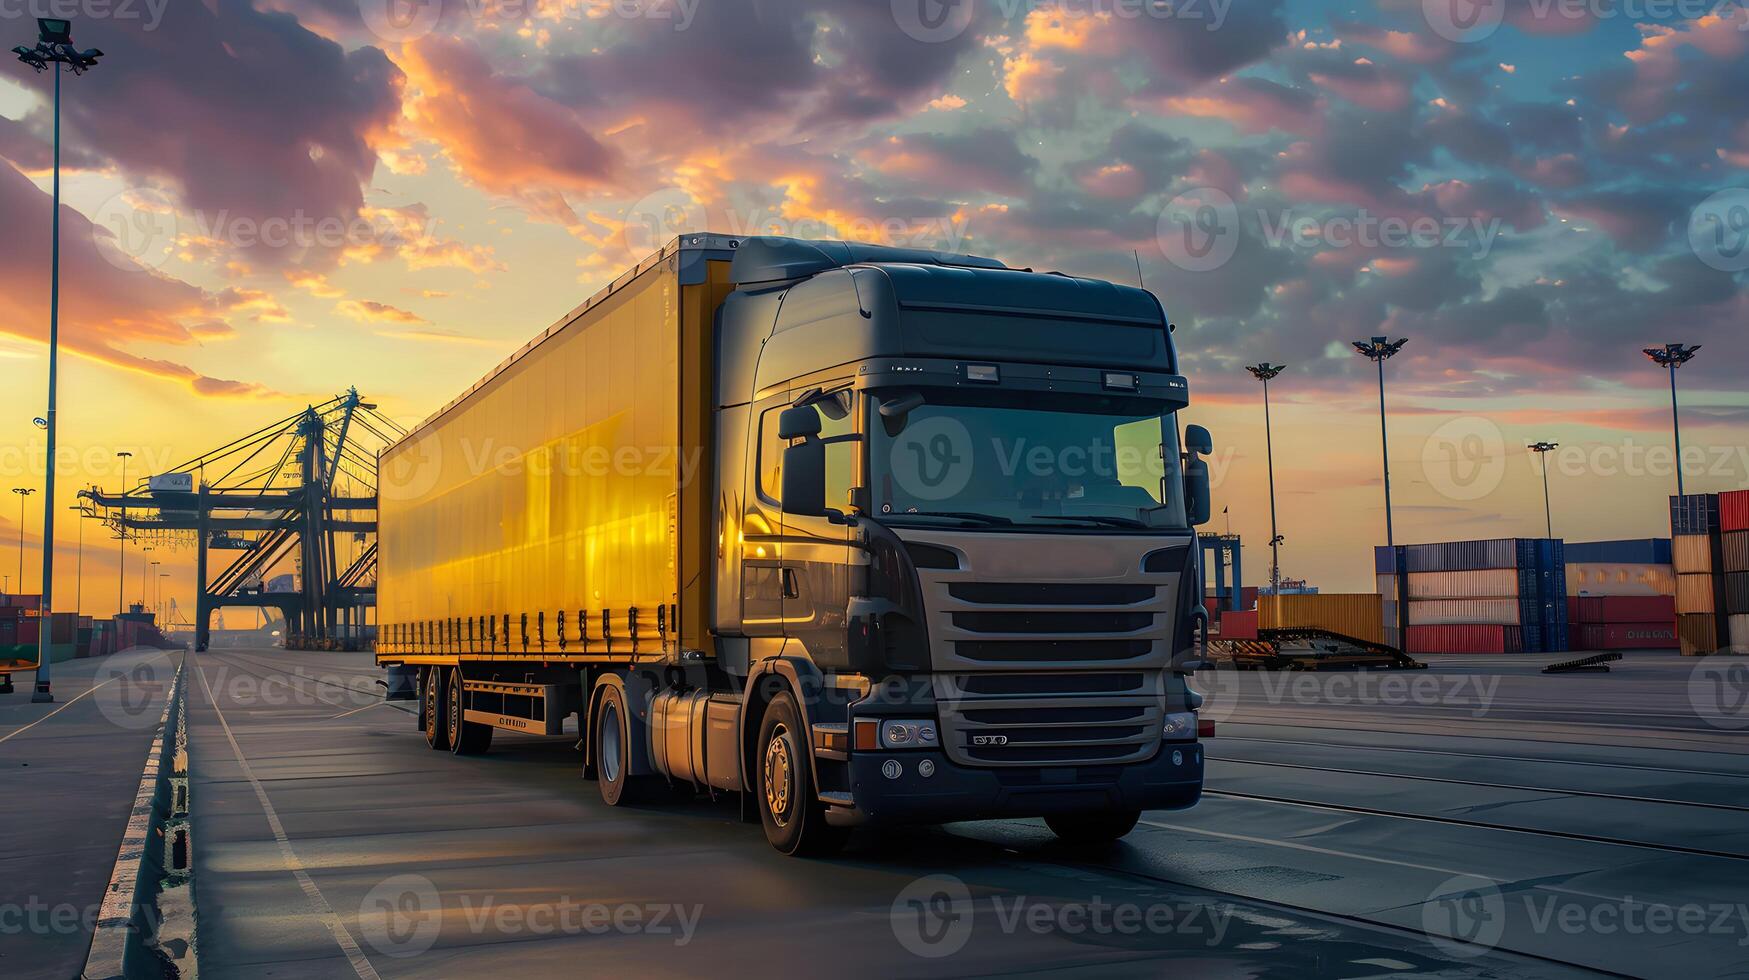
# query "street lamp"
(122, 561)
(163, 613)
(1379, 350)
(79, 569)
(23, 495)
(1542, 449)
(1671, 357)
(54, 48)
(1264, 372)
(145, 567)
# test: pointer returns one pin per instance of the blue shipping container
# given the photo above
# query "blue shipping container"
(1638, 551)
(1696, 513)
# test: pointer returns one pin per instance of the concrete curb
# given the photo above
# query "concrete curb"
(126, 922)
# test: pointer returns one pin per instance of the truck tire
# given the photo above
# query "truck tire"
(434, 711)
(1087, 829)
(611, 746)
(465, 737)
(794, 819)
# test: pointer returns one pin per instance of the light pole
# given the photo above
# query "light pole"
(1379, 350)
(1542, 450)
(1670, 357)
(145, 568)
(54, 48)
(1264, 372)
(159, 599)
(121, 567)
(23, 495)
(79, 569)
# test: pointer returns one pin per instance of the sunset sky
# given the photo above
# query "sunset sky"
(268, 202)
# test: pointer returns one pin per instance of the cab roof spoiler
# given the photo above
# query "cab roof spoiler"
(769, 259)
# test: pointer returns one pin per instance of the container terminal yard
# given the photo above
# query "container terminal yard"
(919, 488)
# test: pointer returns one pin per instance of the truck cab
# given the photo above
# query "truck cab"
(955, 515)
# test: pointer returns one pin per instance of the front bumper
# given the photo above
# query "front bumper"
(1170, 780)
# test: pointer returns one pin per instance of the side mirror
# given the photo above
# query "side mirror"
(804, 474)
(1197, 501)
(1197, 440)
(800, 422)
(901, 405)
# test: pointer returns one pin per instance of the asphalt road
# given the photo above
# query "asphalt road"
(68, 775)
(1484, 820)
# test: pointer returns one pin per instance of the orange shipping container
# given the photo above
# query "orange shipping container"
(1692, 553)
(1360, 615)
(1696, 594)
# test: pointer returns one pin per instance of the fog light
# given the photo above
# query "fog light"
(891, 769)
(926, 768)
(1178, 758)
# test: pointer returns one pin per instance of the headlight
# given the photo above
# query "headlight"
(1180, 725)
(911, 735)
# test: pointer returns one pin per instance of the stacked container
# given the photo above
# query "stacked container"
(1697, 553)
(1621, 595)
(1640, 567)
(1734, 553)
(1504, 595)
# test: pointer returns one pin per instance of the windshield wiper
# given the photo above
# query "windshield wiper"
(1092, 518)
(989, 520)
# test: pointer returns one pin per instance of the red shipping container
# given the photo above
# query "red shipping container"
(1239, 625)
(1660, 609)
(1734, 511)
(1625, 636)
(1465, 639)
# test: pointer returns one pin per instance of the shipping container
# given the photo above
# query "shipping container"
(1494, 583)
(1734, 551)
(1621, 609)
(1637, 551)
(1699, 634)
(1624, 636)
(1736, 588)
(1738, 633)
(1239, 625)
(1734, 511)
(1697, 594)
(1451, 612)
(1357, 615)
(1597, 578)
(1457, 556)
(1465, 639)
(1697, 513)
(1694, 553)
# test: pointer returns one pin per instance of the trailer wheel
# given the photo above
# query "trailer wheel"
(435, 710)
(794, 819)
(465, 737)
(1086, 829)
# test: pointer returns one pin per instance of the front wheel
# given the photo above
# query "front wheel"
(1102, 827)
(794, 820)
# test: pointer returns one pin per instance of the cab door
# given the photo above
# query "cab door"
(762, 522)
(817, 554)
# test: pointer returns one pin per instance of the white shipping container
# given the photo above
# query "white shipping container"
(1739, 633)
(1457, 612)
(1492, 583)
(1692, 553)
(1695, 594)
(1609, 578)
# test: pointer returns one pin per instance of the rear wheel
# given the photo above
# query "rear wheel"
(434, 710)
(1102, 827)
(794, 820)
(465, 737)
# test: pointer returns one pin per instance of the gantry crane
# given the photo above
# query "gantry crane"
(287, 493)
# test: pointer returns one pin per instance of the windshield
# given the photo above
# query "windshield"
(1074, 461)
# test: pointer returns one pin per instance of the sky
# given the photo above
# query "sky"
(267, 202)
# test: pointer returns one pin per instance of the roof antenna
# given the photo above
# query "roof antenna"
(1139, 282)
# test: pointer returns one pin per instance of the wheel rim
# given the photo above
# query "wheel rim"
(609, 737)
(779, 775)
(431, 704)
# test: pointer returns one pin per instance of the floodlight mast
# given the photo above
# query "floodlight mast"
(1379, 350)
(1265, 372)
(1542, 449)
(1670, 357)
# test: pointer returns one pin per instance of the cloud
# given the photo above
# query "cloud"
(371, 311)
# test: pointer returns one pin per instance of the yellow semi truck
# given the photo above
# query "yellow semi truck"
(864, 534)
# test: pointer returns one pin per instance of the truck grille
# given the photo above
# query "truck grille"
(1065, 624)
(1056, 719)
